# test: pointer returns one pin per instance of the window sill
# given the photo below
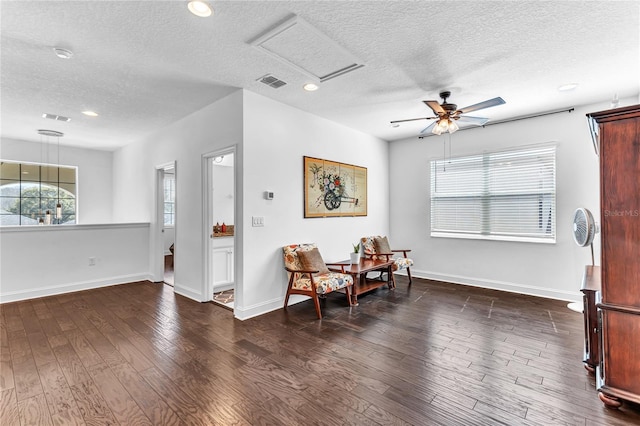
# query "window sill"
(493, 238)
(47, 228)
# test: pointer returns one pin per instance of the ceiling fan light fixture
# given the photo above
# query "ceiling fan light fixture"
(445, 125)
(200, 8)
(447, 114)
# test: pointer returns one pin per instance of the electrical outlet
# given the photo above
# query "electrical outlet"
(257, 221)
(92, 261)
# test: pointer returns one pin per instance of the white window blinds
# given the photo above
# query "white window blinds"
(509, 195)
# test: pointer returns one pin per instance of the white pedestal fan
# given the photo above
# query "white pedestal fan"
(584, 230)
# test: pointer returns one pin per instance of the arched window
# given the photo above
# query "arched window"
(28, 190)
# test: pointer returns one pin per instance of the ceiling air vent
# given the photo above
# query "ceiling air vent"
(272, 81)
(56, 117)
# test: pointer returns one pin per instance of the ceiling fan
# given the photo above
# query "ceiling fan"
(447, 114)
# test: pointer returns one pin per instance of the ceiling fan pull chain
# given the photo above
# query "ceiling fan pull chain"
(444, 154)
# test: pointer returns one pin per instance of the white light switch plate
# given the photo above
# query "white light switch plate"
(257, 221)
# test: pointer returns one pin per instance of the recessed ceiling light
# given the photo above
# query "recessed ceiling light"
(90, 113)
(567, 87)
(62, 53)
(200, 8)
(310, 87)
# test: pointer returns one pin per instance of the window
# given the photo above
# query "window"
(169, 199)
(28, 190)
(509, 195)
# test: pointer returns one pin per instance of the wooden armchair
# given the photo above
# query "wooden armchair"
(309, 275)
(376, 246)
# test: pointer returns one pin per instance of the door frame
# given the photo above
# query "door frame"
(157, 245)
(207, 218)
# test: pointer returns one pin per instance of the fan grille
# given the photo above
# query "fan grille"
(583, 227)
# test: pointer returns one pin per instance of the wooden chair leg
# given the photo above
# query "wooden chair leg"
(316, 301)
(409, 274)
(347, 291)
(286, 299)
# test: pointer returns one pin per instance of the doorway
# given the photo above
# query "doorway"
(221, 218)
(166, 215)
(169, 223)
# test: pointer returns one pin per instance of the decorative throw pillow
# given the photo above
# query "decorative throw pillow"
(382, 245)
(312, 261)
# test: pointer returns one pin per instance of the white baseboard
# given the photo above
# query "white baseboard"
(69, 288)
(189, 293)
(498, 285)
(258, 309)
(223, 287)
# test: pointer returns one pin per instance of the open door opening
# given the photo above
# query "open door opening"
(168, 226)
(220, 217)
(165, 234)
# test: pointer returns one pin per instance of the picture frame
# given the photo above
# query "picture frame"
(334, 189)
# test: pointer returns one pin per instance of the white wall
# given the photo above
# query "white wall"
(223, 199)
(276, 137)
(214, 127)
(94, 174)
(38, 261)
(270, 140)
(540, 269)
(168, 237)
(45, 260)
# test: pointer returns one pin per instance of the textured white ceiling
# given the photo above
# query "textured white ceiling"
(145, 64)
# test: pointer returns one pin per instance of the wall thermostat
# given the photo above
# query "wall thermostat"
(268, 195)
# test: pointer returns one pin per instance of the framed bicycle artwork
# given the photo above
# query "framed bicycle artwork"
(333, 189)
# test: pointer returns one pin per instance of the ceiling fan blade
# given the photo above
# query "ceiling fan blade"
(435, 106)
(428, 128)
(413, 119)
(478, 121)
(482, 105)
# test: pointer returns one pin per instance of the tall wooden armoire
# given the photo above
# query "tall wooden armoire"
(618, 302)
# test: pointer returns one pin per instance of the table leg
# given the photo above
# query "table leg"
(356, 284)
(391, 281)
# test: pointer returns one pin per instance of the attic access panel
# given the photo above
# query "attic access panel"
(303, 47)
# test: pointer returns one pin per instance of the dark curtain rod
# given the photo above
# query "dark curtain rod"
(509, 120)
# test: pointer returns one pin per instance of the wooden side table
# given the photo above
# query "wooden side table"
(359, 273)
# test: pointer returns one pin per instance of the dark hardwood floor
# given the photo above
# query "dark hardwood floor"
(430, 354)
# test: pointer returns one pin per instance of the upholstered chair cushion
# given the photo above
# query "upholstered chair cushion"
(291, 258)
(375, 244)
(306, 257)
(382, 245)
(401, 263)
(311, 260)
(325, 283)
(367, 246)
